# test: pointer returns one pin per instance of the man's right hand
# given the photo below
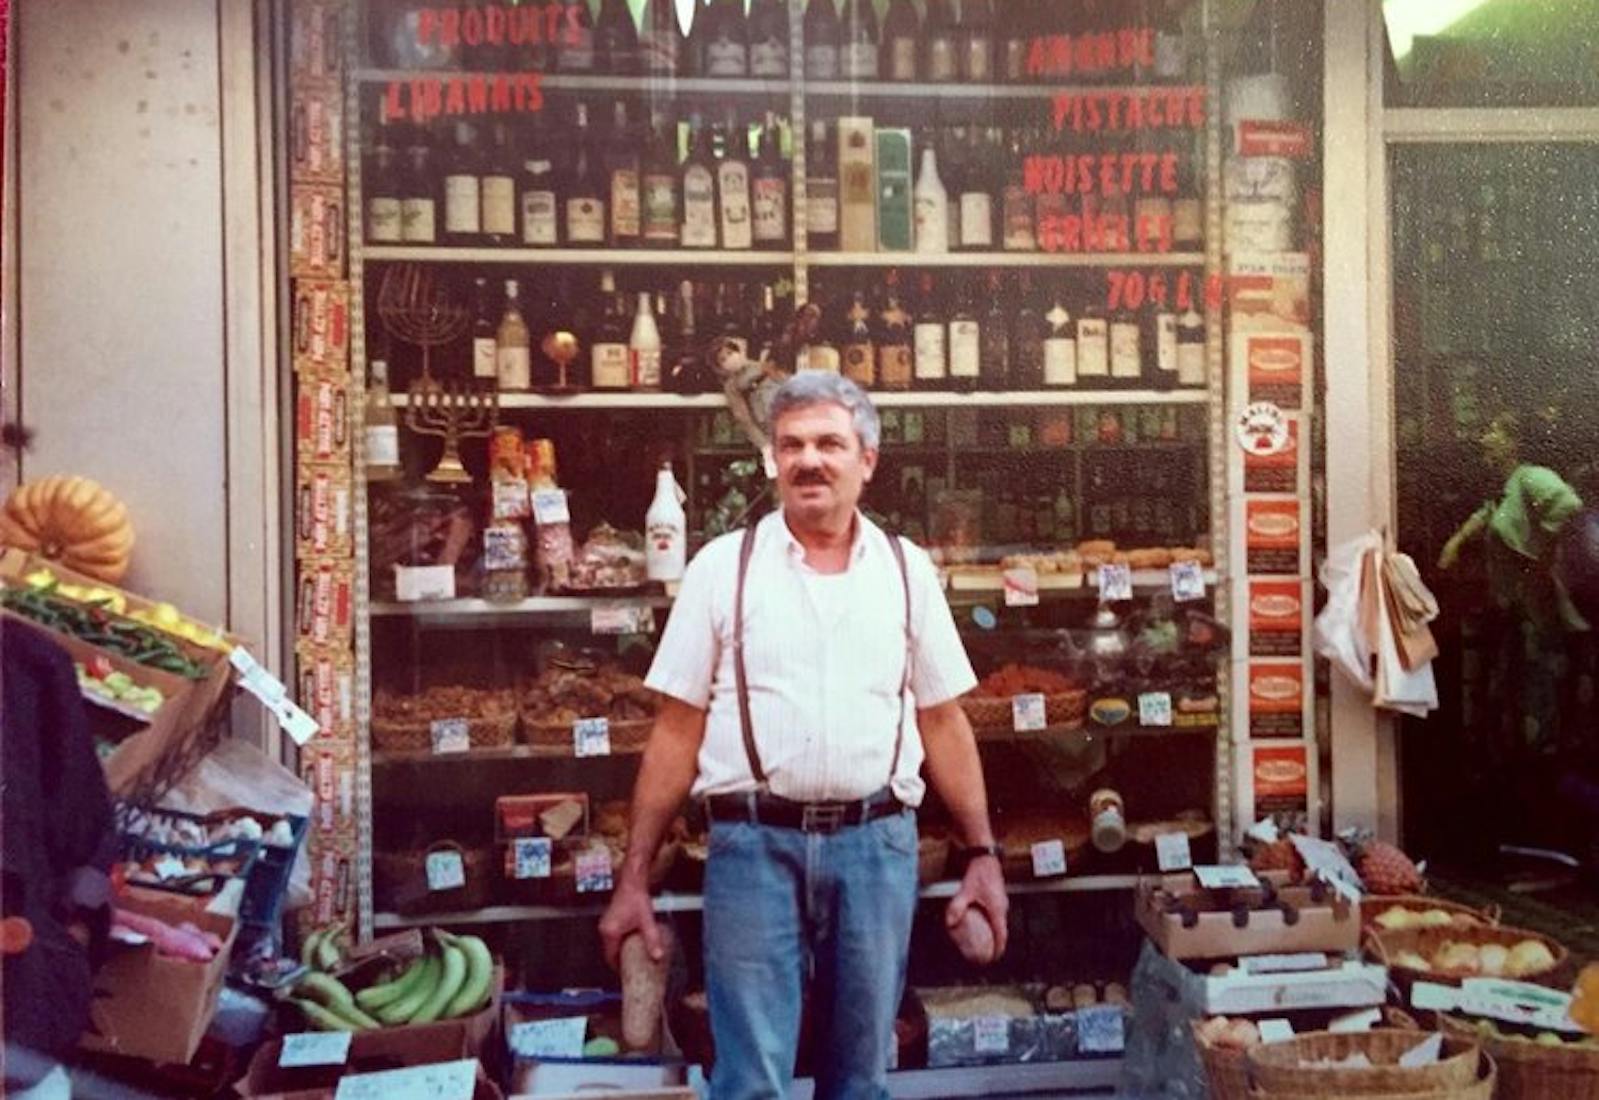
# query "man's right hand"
(630, 911)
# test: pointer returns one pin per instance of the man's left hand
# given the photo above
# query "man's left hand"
(982, 885)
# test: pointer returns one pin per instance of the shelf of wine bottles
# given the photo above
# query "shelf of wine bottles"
(885, 400)
(643, 257)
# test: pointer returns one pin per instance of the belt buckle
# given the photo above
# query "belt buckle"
(822, 818)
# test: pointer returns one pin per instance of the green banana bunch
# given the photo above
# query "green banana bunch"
(331, 1003)
(451, 980)
(321, 948)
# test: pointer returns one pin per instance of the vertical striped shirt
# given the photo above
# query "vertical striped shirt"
(825, 657)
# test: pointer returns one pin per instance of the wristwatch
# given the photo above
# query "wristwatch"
(976, 851)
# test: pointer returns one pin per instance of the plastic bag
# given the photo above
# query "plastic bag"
(1340, 634)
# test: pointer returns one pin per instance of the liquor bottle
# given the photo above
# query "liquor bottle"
(1027, 339)
(625, 202)
(768, 39)
(895, 366)
(976, 38)
(574, 41)
(823, 40)
(1191, 367)
(541, 213)
(1018, 205)
(1060, 348)
(1093, 348)
(965, 344)
(1126, 348)
(699, 192)
(902, 43)
(383, 198)
(929, 338)
(733, 188)
(977, 194)
(585, 194)
(1019, 32)
(727, 49)
(858, 352)
(1171, 46)
(685, 372)
(821, 187)
(666, 321)
(616, 44)
(418, 199)
(513, 356)
(662, 47)
(463, 200)
(769, 190)
(381, 427)
(485, 344)
(994, 351)
(660, 188)
(609, 360)
(644, 347)
(932, 206)
(1163, 330)
(940, 44)
(1188, 213)
(728, 322)
(857, 59)
(498, 189)
(666, 530)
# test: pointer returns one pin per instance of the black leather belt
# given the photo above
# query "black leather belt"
(809, 817)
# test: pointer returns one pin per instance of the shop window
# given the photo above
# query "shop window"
(1492, 53)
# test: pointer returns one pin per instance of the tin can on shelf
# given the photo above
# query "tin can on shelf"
(1108, 815)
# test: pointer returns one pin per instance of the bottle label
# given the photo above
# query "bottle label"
(977, 219)
(665, 550)
(894, 367)
(771, 210)
(1093, 348)
(1166, 343)
(610, 366)
(382, 445)
(769, 58)
(734, 180)
(821, 205)
(461, 204)
(726, 58)
(823, 358)
(1187, 222)
(1191, 364)
(577, 50)
(1018, 220)
(659, 51)
(902, 59)
(660, 206)
(932, 224)
(417, 221)
(1126, 357)
(699, 208)
(858, 60)
(585, 221)
(1171, 57)
(942, 60)
(821, 62)
(538, 217)
(624, 203)
(485, 357)
(979, 60)
(515, 367)
(930, 352)
(1060, 361)
(646, 368)
(860, 366)
(499, 205)
(383, 220)
(965, 349)
(1016, 50)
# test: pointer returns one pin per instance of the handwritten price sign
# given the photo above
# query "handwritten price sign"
(1133, 289)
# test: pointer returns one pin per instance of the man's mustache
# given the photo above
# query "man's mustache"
(809, 477)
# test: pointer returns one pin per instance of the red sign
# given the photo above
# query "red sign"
(1281, 772)
(1276, 699)
(425, 98)
(1096, 112)
(1131, 289)
(1274, 473)
(496, 25)
(1126, 173)
(1272, 535)
(1258, 138)
(1092, 54)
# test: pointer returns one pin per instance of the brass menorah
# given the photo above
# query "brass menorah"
(417, 309)
(453, 411)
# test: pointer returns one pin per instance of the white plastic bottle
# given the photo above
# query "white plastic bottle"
(666, 529)
(932, 207)
(644, 347)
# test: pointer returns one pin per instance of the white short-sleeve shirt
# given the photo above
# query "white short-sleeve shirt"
(825, 657)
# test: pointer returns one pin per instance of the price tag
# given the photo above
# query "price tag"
(1028, 713)
(1049, 859)
(511, 499)
(169, 867)
(1356, 1021)
(1021, 586)
(592, 736)
(1154, 709)
(531, 857)
(441, 1081)
(1187, 581)
(504, 547)
(559, 1038)
(1425, 1053)
(1275, 1031)
(1172, 852)
(549, 506)
(255, 679)
(413, 583)
(445, 871)
(1219, 877)
(593, 866)
(1115, 582)
(991, 1034)
(621, 618)
(1101, 1029)
(451, 735)
(315, 1048)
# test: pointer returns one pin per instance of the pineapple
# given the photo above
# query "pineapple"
(1382, 867)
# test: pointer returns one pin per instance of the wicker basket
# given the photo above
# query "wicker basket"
(1534, 1071)
(1372, 905)
(1384, 947)
(628, 735)
(1226, 1068)
(989, 714)
(399, 880)
(495, 732)
(560, 888)
(1280, 1067)
(1482, 1088)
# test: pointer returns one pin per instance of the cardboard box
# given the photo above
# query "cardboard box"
(546, 1076)
(1329, 925)
(857, 180)
(894, 223)
(624, 1094)
(370, 1052)
(149, 1006)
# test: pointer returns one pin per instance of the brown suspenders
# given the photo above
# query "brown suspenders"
(746, 551)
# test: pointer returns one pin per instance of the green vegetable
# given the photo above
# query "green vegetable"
(601, 1047)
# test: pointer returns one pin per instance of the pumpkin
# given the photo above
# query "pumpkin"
(72, 520)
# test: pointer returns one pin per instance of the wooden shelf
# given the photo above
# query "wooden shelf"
(657, 86)
(602, 257)
(1004, 259)
(535, 607)
(883, 399)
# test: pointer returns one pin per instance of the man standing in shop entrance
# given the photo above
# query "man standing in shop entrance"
(810, 668)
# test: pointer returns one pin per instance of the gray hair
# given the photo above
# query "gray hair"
(811, 387)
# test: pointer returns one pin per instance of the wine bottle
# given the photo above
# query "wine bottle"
(965, 343)
(626, 227)
(1019, 31)
(609, 366)
(821, 188)
(733, 188)
(1126, 348)
(513, 355)
(1191, 366)
(661, 43)
(498, 189)
(685, 373)
(660, 188)
(858, 352)
(1018, 204)
(463, 209)
(901, 43)
(699, 191)
(931, 205)
(994, 350)
(940, 44)
(485, 343)
(644, 347)
(381, 428)
(769, 190)
(383, 192)
(1060, 348)
(1093, 348)
(976, 38)
(823, 40)
(768, 39)
(821, 352)
(616, 42)
(574, 41)
(982, 162)
(1027, 339)
(1163, 331)
(929, 337)
(727, 48)
(585, 196)
(858, 50)
(419, 199)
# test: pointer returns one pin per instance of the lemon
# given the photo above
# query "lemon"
(166, 615)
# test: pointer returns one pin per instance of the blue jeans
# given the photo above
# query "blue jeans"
(782, 906)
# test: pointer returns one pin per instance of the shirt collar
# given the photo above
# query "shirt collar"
(796, 550)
